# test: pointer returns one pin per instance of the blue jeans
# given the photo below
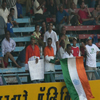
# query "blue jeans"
(92, 4)
(89, 22)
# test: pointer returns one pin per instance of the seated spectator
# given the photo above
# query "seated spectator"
(12, 16)
(10, 27)
(21, 57)
(96, 14)
(64, 36)
(51, 34)
(37, 34)
(73, 15)
(8, 45)
(61, 50)
(68, 53)
(63, 17)
(48, 55)
(19, 9)
(2, 27)
(75, 49)
(38, 10)
(85, 17)
(4, 11)
(43, 29)
(32, 52)
(52, 9)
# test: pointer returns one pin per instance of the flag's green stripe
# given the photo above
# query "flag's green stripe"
(67, 79)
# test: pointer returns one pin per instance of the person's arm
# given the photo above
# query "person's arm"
(14, 45)
(88, 11)
(44, 40)
(83, 45)
(3, 48)
(26, 60)
(66, 14)
(57, 42)
(40, 6)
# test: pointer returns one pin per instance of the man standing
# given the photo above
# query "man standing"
(32, 52)
(48, 55)
(75, 49)
(92, 50)
(52, 34)
(8, 45)
(85, 17)
(4, 11)
(61, 50)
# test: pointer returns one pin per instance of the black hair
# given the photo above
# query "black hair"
(50, 39)
(37, 25)
(11, 9)
(50, 23)
(96, 6)
(4, 1)
(81, 2)
(68, 45)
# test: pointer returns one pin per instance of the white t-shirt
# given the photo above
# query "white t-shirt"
(54, 37)
(66, 55)
(60, 53)
(36, 4)
(4, 14)
(91, 55)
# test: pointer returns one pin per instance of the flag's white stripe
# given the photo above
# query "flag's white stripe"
(75, 78)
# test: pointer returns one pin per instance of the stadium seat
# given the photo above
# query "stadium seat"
(82, 28)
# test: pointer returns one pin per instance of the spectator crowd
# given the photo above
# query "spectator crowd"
(46, 37)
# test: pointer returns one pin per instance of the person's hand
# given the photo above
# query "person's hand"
(36, 60)
(91, 18)
(65, 17)
(57, 61)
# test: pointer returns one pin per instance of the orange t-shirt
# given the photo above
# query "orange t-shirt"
(32, 52)
(48, 51)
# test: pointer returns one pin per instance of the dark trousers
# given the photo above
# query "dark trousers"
(89, 22)
(74, 20)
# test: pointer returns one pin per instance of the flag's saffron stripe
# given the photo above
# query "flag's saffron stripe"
(83, 77)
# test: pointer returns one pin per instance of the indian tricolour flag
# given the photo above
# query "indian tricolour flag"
(76, 79)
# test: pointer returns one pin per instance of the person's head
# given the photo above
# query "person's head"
(73, 5)
(50, 26)
(51, 1)
(7, 34)
(63, 30)
(43, 24)
(37, 27)
(33, 39)
(62, 43)
(74, 41)
(68, 48)
(12, 11)
(97, 7)
(89, 41)
(49, 41)
(4, 4)
(61, 8)
(82, 5)
(9, 18)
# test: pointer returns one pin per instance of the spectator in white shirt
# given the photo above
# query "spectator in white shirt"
(92, 50)
(8, 45)
(52, 34)
(68, 53)
(61, 50)
(4, 11)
